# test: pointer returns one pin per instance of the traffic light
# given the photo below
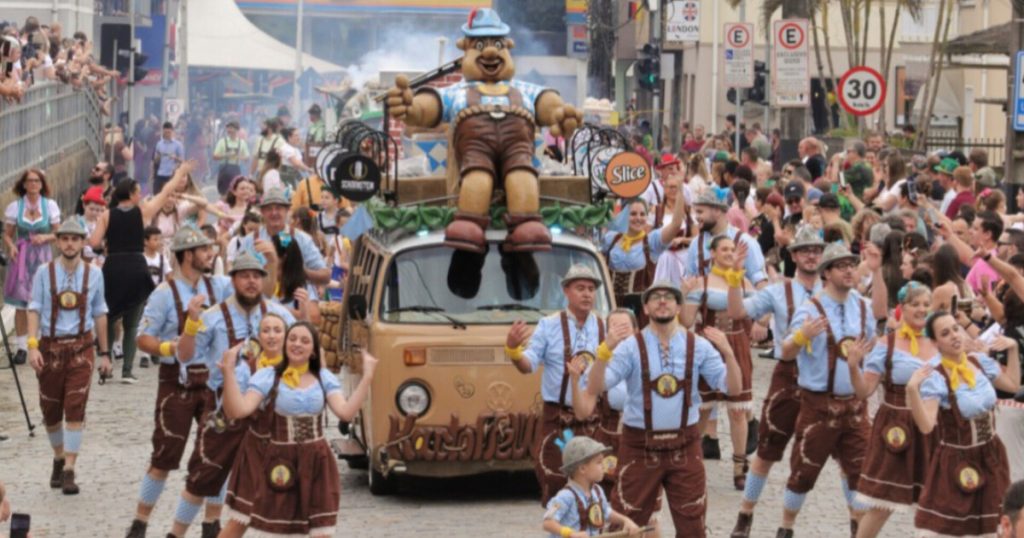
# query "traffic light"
(649, 68)
(731, 94)
(758, 94)
(140, 72)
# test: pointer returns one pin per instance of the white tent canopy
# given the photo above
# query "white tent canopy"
(219, 35)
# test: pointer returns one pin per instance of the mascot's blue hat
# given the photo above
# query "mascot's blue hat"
(484, 22)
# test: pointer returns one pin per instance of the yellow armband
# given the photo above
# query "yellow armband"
(165, 349)
(734, 278)
(566, 532)
(32, 342)
(192, 327)
(801, 340)
(514, 353)
(603, 352)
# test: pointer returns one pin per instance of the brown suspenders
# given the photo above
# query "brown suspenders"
(179, 308)
(790, 304)
(891, 343)
(230, 325)
(474, 97)
(645, 377)
(567, 353)
(832, 345)
(83, 299)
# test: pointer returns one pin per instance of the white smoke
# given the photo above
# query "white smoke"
(409, 51)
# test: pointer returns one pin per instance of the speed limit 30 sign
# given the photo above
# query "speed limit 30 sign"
(861, 91)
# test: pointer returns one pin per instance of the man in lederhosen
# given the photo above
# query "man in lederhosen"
(709, 212)
(832, 420)
(782, 404)
(659, 445)
(178, 402)
(557, 339)
(67, 315)
(220, 327)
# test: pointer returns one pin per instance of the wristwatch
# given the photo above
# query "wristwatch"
(104, 353)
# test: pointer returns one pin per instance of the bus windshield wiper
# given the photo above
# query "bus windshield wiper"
(430, 310)
(509, 306)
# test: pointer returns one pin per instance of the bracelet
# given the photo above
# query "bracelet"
(566, 532)
(104, 353)
(32, 342)
(734, 278)
(604, 353)
(165, 349)
(192, 327)
(514, 353)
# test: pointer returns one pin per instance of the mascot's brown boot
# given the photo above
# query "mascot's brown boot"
(466, 232)
(526, 233)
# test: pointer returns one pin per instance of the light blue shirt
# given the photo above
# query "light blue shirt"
(546, 348)
(754, 264)
(665, 412)
(563, 508)
(212, 338)
(903, 363)
(159, 319)
(454, 97)
(67, 320)
(633, 260)
(295, 402)
(972, 402)
(772, 300)
(845, 321)
(165, 149)
(311, 256)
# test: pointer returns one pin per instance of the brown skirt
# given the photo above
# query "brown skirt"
(896, 459)
(739, 340)
(944, 508)
(246, 477)
(309, 505)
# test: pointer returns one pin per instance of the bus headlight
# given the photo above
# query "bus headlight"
(413, 398)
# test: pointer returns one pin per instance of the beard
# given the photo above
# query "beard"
(96, 180)
(664, 320)
(707, 226)
(247, 301)
(71, 256)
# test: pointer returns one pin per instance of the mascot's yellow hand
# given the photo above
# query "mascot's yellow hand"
(567, 119)
(399, 98)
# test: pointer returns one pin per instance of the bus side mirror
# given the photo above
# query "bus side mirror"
(357, 307)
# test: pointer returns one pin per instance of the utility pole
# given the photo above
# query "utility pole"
(1012, 172)
(793, 121)
(600, 24)
(739, 92)
(183, 61)
(131, 64)
(714, 67)
(298, 60)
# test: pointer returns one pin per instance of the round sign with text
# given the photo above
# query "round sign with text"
(356, 177)
(861, 91)
(628, 175)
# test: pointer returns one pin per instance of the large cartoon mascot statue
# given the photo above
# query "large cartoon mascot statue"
(494, 119)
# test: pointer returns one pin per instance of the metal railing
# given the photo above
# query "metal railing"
(51, 120)
(994, 146)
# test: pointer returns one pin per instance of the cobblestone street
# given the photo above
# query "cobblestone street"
(117, 446)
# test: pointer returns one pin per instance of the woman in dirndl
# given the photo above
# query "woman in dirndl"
(298, 489)
(31, 221)
(968, 472)
(707, 300)
(632, 256)
(897, 453)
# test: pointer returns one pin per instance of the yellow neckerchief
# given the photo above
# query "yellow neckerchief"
(277, 290)
(721, 271)
(910, 334)
(628, 241)
(265, 361)
(959, 370)
(292, 375)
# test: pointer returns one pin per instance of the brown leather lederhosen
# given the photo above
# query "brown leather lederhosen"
(652, 459)
(556, 417)
(897, 454)
(215, 449)
(66, 374)
(782, 404)
(737, 332)
(494, 138)
(629, 285)
(829, 425)
(944, 507)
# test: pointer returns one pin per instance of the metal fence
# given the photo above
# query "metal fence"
(50, 121)
(994, 146)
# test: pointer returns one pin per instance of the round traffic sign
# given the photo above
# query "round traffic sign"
(861, 91)
(738, 36)
(791, 36)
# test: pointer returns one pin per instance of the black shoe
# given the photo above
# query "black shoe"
(752, 426)
(144, 362)
(854, 524)
(68, 485)
(137, 530)
(743, 524)
(20, 357)
(57, 475)
(211, 529)
(770, 354)
(784, 533)
(710, 447)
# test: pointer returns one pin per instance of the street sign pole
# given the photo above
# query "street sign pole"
(656, 21)
(739, 94)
